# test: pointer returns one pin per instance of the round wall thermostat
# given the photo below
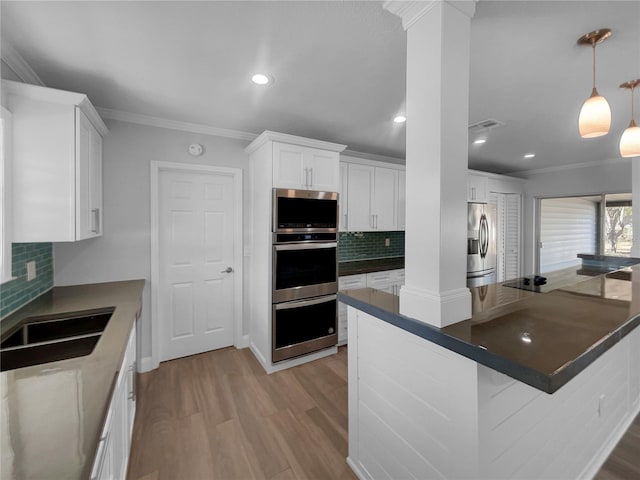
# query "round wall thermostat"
(195, 149)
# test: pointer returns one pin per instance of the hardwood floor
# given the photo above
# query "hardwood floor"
(218, 415)
(624, 461)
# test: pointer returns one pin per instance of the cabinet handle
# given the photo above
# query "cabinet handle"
(473, 193)
(96, 220)
(371, 222)
(345, 221)
(311, 176)
(133, 392)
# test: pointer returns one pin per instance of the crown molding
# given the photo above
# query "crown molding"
(373, 156)
(150, 121)
(20, 67)
(409, 11)
(268, 135)
(412, 11)
(571, 166)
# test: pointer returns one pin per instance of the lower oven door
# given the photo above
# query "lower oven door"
(303, 326)
(304, 270)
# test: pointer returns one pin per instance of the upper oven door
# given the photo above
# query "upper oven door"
(304, 270)
(304, 211)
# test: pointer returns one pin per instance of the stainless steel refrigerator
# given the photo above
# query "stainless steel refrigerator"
(481, 244)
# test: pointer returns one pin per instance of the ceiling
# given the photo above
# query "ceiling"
(339, 69)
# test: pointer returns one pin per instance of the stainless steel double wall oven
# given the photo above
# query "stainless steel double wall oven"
(305, 272)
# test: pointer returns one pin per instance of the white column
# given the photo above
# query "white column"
(635, 203)
(438, 35)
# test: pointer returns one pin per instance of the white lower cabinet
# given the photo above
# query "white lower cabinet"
(388, 281)
(112, 456)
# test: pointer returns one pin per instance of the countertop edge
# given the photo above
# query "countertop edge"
(534, 378)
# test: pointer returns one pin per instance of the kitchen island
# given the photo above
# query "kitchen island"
(537, 384)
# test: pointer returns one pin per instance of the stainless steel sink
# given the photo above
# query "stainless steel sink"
(40, 340)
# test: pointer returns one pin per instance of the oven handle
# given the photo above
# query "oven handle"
(304, 246)
(304, 303)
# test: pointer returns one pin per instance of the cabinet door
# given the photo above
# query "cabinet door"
(322, 169)
(359, 191)
(477, 186)
(288, 166)
(342, 198)
(346, 283)
(95, 183)
(385, 198)
(402, 201)
(380, 280)
(88, 178)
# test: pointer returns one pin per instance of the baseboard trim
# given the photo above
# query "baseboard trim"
(599, 459)
(272, 368)
(243, 342)
(146, 364)
(356, 469)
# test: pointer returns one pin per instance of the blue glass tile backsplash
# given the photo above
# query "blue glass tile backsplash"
(368, 245)
(19, 292)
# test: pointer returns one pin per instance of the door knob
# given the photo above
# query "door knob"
(227, 270)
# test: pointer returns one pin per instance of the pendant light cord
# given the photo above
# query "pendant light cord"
(633, 120)
(593, 47)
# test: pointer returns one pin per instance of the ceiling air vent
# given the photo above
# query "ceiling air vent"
(485, 125)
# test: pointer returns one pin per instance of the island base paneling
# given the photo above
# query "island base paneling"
(443, 415)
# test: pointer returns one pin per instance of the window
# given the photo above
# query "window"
(5, 195)
(617, 225)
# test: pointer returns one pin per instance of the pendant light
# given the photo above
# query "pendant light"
(630, 140)
(595, 115)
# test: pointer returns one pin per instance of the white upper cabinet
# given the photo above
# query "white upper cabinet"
(359, 196)
(385, 199)
(306, 168)
(57, 167)
(373, 198)
(402, 199)
(477, 188)
(342, 197)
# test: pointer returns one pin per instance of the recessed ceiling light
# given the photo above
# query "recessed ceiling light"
(261, 79)
(529, 155)
(400, 119)
(480, 141)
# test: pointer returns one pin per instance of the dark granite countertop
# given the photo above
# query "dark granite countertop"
(542, 339)
(355, 267)
(53, 413)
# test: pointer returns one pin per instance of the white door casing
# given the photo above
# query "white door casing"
(196, 236)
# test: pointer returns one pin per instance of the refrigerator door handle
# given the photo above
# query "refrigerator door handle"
(483, 236)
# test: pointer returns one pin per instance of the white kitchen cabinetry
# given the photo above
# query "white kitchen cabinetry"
(279, 160)
(477, 188)
(373, 195)
(112, 456)
(402, 199)
(342, 198)
(57, 167)
(306, 168)
(372, 198)
(388, 281)
(348, 282)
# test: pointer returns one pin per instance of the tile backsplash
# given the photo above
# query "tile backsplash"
(19, 292)
(368, 245)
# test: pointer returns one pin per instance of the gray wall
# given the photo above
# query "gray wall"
(608, 177)
(123, 252)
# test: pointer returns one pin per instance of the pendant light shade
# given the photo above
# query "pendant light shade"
(595, 115)
(630, 140)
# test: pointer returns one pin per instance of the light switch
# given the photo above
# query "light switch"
(387, 242)
(31, 270)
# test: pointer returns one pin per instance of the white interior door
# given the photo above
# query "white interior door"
(196, 259)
